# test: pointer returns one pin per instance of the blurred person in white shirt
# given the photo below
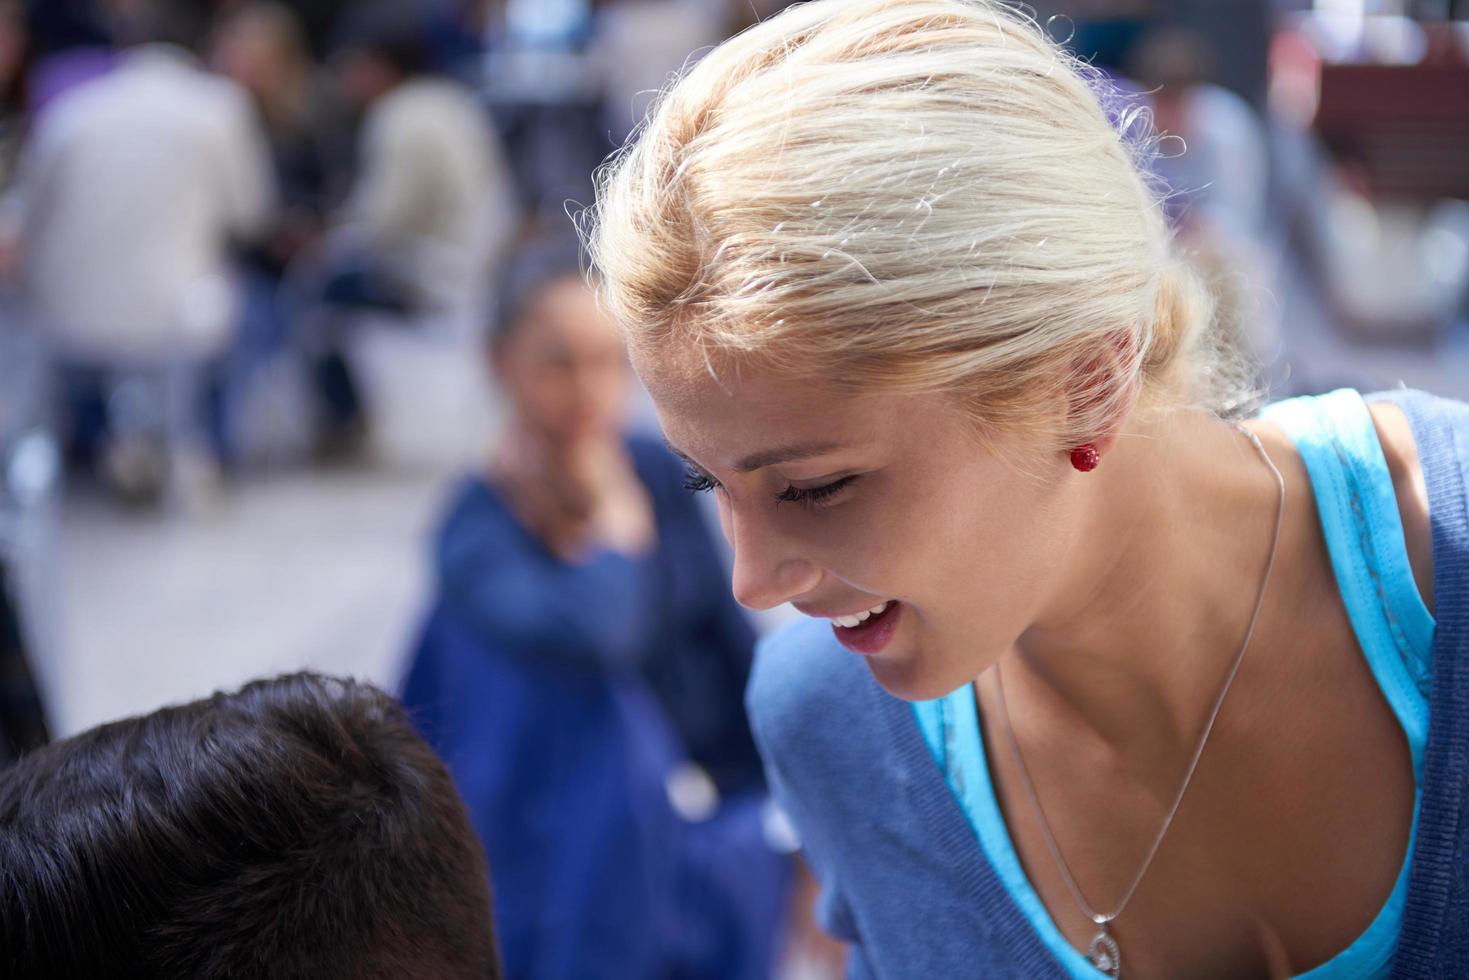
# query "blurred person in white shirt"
(430, 212)
(133, 190)
(430, 168)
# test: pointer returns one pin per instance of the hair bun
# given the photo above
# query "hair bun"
(1182, 310)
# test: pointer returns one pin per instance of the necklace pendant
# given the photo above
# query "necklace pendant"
(1104, 954)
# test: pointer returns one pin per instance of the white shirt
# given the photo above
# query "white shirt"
(432, 171)
(132, 188)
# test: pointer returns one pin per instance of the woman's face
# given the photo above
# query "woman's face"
(563, 366)
(840, 504)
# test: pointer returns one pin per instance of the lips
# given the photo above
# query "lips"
(870, 636)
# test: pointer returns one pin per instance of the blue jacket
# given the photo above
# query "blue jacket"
(904, 879)
(668, 618)
(561, 695)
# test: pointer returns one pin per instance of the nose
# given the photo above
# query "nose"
(768, 571)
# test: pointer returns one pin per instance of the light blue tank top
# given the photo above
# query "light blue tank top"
(1364, 534)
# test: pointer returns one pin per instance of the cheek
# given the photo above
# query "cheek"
(611, 388)
(970, 575)
(879, 542)
(546, 392)
(970, 556)
(990, 557)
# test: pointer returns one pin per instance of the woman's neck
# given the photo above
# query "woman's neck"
(1158, 599)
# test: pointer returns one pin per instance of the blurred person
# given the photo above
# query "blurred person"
(910, 310)
(297, 827)
(322, 21)
(640, 44)
(15, 57)
(431, 207)
(262, 47)
(1214, 157)
(577, 589)
(1104, 32)
(458, 36)
(134, 189)
(430, 166)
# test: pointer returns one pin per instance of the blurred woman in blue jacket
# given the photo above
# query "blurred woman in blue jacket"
(581, 671)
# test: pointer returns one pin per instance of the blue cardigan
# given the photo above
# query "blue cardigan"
(904, 879)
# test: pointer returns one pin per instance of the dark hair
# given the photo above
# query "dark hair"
(392, 30)
(181, 23)
(528, 272)
(295, 828)
(1171, 59)
(58, 25)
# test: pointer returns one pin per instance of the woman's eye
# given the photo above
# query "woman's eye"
(697, 482)
(814, 496)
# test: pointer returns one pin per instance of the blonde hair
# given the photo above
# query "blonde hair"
(925, 195)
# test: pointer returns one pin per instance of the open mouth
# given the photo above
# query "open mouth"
(868, 632)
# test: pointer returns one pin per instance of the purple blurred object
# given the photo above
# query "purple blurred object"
(59, 73)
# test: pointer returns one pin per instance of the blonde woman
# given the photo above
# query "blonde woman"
(1094, 682)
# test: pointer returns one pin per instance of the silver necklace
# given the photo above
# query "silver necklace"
(1103, 953)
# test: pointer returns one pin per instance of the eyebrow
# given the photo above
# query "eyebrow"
(769, 457)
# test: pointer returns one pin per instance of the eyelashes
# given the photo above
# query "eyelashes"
(696, 481)
(815, 495)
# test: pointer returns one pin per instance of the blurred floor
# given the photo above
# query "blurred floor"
(300, 571)
(288, 570)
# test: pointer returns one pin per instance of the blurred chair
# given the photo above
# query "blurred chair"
(1395, 271)
(409, 343)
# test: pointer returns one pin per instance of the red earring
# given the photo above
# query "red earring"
(1085, 457)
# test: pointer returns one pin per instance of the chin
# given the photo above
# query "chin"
(915, 677)
(906, 678)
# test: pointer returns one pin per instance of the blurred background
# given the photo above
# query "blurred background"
(255, 256)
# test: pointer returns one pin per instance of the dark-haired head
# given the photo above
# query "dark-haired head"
(529, 271)
(181, 23)
(380, 45)
(558, 356)
(295, 828)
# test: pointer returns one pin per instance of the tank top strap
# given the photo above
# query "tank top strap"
(1358, 509)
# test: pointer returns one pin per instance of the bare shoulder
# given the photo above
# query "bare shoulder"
(1396, 435)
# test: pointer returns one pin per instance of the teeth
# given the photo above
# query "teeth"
(857, 619)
